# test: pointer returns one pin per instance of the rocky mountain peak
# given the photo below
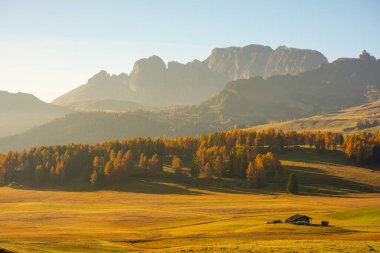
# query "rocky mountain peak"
(257, 60)
(365, 56)
(147, 72)
(100, 77)
(152, 82)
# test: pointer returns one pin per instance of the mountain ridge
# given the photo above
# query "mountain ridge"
(155, 83)
(21, 111)
(242, 103)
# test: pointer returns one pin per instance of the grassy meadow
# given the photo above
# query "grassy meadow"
(344, 121)
(221, 215)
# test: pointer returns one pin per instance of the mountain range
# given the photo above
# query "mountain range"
(286, 95)
(341, 84)
(152, 82)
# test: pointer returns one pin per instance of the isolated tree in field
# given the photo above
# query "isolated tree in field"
(292, 184)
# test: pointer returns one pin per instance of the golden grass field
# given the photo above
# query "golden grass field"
(344, 121)
(172, 217)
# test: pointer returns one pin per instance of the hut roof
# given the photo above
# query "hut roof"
(297, 217)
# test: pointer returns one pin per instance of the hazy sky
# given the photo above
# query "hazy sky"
(49, 47)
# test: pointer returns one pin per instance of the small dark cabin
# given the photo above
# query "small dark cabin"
(298, 218)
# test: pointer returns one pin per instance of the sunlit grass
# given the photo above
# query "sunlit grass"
(170, 216)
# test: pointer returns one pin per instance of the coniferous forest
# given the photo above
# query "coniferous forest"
(247, 155)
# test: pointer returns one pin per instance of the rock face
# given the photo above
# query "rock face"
(340, 84)
(255, 60)
(147, 73)
(154, 83)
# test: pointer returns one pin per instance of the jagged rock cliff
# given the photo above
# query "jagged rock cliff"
(256, 60)
(152, 82)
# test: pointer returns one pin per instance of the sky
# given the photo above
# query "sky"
(48, 47)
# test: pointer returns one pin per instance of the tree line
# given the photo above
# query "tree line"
(363, 147)
(246, 154)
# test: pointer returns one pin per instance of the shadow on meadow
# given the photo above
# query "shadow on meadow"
(317, 182)
(163, 183)
(312, 181)
(311, 155)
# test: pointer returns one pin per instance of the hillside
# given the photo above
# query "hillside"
(86, 127)
(155, 83)
(107, 105)
(243, 103)
(341, 84)
(358, 118)
(21, 111)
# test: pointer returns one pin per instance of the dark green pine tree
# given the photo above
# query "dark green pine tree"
(292, 186)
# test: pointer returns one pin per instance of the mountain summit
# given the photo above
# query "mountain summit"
(256, 60)
(152, 82)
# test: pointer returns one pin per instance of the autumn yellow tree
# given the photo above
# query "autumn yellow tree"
(154, 164)
(177, 166)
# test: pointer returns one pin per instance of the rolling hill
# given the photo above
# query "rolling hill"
(358, 118)
(21, 111)
(86, 127)
(107, 105)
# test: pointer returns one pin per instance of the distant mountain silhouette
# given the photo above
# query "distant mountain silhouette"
(107, 105)
(86, 127)
(21, 111)
(256, 60)
(154, 83)
(341, 84)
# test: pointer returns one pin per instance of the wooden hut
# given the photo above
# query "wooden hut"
(298, 219)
